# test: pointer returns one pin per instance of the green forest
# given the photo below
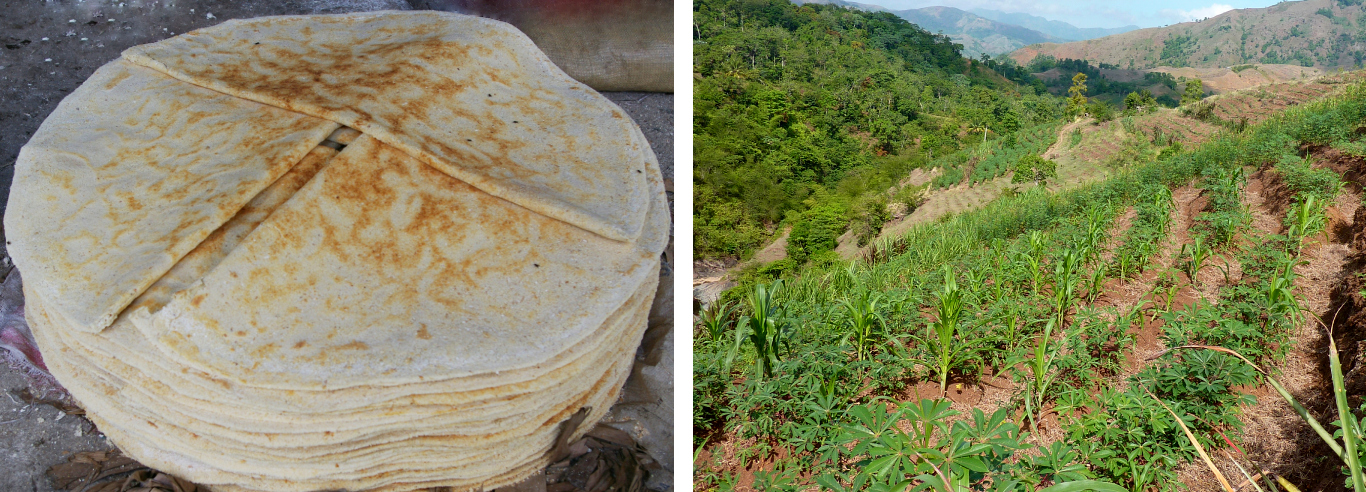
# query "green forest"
(807, 116)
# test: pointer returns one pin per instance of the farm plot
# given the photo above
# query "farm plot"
(1255, 104)
(1049, 338)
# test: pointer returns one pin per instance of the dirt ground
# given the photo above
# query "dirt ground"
(50, 47)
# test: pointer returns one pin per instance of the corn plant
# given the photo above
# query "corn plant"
(1095, 235)
(1195, 254)
(1165, 285)
(1039, 367)
(1033, 259)
(1349, 429)
(1096, 278)
(764, 327)
(1065, 281)
(863, 321)
(1279, 294)
(948, 354)
(1305, 219)
(1124, 263)
(715, 319)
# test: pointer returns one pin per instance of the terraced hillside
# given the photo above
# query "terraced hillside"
(1055, 337)
(1256, 104)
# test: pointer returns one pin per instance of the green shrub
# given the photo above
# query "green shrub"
(950, 177)
(815, 231)
(1355, 149)
(1304, 180)
(1034, 169)
(910, 196)
(1322, 127)
(871, 216)
(1266, 146)
(1101, 110)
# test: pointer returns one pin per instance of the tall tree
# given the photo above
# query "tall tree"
(1195, 90)
(1076, 95)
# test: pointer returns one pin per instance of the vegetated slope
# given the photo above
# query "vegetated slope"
(1057, 29)
(1318, 33)
(814, 107)
(1086, 150)
(977, 34)
(1223, 79)
(1214, 80)
(1027, 343)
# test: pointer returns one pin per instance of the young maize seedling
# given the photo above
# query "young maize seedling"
(715, 318)
(1124, 266)
(1065, 285)
(765, 329)
(1196, 253)
(1305, 219)
(1093, 288)
(1037, 391)
(1280, 296)
(864, 322)
(1351, 434)
(948, 354)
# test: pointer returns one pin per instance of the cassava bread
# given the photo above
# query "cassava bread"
(388, 250)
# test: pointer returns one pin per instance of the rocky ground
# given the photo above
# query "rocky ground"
(50, 48)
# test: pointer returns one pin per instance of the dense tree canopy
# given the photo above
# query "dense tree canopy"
(799, 106)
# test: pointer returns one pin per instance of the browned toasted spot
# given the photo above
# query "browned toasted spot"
(199, 299)
(422, 333)
(300, 345)
(118, 78)
(264, 350)
(356, 345)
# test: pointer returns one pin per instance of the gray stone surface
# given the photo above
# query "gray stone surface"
(36, 73)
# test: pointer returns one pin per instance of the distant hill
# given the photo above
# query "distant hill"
(977, 34)
(1311, 33)
(980, 34)
(843, 3)
(1057, 29)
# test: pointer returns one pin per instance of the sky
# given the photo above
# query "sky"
(1093, 13)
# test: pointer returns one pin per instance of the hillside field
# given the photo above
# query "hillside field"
(1050, 337)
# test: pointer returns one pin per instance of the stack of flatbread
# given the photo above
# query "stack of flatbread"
(386, 251)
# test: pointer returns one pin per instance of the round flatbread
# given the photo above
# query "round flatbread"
(391, 249)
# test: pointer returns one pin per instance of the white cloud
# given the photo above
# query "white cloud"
(1197, 14)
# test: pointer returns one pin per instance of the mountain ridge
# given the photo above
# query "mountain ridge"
(1311, 33)
(981, 34)
(977, 34)
(1057, 29)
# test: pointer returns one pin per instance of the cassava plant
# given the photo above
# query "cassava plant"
(1352, 438)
